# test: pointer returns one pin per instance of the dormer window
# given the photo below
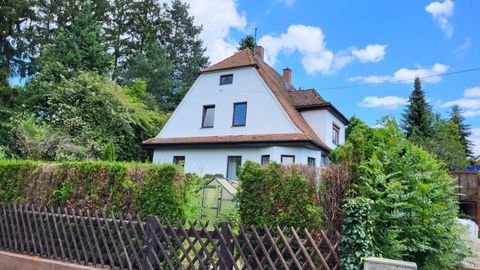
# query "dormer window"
(335, 134)
(226, 79)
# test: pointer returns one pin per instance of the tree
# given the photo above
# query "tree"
(403, 192)
(463, 129)
(247, 42)
(15, 18)
(180, 36)
(417, 117)
(78, 47)
(153, 67)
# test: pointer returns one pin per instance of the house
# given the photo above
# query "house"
(241, 109)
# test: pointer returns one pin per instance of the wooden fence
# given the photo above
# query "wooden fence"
(126, 242)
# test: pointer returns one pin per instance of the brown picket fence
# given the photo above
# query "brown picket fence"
(127, 242)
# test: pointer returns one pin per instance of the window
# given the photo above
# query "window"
(265, 159)
(325, 160)
(335, 134)
(179, 160)
(208, 116)
(311, 162)
(287, 159)
(234, 162)
(239, 114)
(226, 79)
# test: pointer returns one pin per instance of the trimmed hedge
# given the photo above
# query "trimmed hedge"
(163, 190)
(278, 195)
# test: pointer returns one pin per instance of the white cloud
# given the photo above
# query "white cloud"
(217, 25)
(405, 75)
(472, 92)
(440, 12)
(310, 42)
(371, 53)
(470, 102)
(388, 102)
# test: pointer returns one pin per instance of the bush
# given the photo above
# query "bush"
(112, 186)
(276, 195)
(413, 215)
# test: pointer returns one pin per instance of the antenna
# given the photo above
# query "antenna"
(255, 37)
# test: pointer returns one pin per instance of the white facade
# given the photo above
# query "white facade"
(322, 122)
(214, 161)
(247, 86)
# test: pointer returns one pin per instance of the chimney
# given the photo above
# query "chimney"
(259, 51)
(287, 75)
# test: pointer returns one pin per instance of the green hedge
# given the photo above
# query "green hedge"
(278, 195)
(163, 190)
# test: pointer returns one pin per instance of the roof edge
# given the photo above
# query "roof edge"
(327, 106)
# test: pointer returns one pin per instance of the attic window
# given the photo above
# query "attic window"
(335, 134)
(226, 79)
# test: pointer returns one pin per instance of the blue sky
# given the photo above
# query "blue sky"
(331, 44)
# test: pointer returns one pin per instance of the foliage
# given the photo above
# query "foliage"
(109, 153)
(247, 42)
(154, 68)
(99, 185)
(358, 230)
(335, 183)
(418, 116)
(269, 195)
(464, 129)
(78, 47)
(94, 111)
(413, 216)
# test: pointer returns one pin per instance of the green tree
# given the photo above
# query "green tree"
(180, 36)
(464, 129)
(417, 117)
(247, 42)
(78, 47)
(405, 194)
(153, 66)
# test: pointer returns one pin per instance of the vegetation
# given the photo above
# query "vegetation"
(161, 190)
(446, 139)
(270, 196)
(247, 42)
(402, 200)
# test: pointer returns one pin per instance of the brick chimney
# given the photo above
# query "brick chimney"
(287, 75)
(259, 50)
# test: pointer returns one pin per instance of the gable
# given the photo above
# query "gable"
(265, 115)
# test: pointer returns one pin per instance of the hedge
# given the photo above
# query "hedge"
(142, 188)
(278, 195)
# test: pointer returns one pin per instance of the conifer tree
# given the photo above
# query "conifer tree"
(247, 42)
(464, 129)
(417, 121)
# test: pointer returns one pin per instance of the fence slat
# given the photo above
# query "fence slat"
(130, 242)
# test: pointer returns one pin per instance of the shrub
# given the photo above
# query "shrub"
(111, 186)
(414, 210)
(277, 195)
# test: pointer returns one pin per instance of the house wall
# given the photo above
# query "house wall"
(321, 122)
(214, 161)
(264, 114)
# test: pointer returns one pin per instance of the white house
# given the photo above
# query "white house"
(241, 109)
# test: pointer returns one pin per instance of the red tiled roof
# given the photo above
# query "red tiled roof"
(308, 97)
(243, 58)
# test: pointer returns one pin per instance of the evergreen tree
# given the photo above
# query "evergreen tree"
(464, 129)
(180, 36)
(417, 117)
(247, 42)
(78, 47)
(153, 67)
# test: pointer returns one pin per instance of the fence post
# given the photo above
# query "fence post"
(151, 228)
(226, 233)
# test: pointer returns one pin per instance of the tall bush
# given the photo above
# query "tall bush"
(276, 195)
(414, 209)
(161, 190)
